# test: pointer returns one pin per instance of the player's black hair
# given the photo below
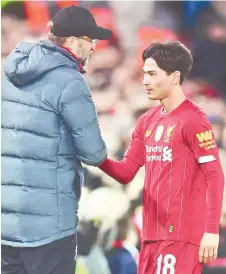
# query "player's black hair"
(170, 56)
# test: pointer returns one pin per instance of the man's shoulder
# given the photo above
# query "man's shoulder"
(193, 113)
(194, 117)
(62, 76)
(151, 112)
(194, 109)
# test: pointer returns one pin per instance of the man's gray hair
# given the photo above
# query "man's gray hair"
(59, 41)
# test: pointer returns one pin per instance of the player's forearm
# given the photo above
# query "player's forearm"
(215, 186)
(122, 171)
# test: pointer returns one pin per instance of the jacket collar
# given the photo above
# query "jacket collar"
(75, 57)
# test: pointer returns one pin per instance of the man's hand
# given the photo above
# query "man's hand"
(208, 247)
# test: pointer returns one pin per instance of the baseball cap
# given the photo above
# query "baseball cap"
(77, 21)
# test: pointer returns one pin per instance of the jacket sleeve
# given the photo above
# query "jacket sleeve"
(79, 114)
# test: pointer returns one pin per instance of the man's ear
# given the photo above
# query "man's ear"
(69, 42)
(176, 77)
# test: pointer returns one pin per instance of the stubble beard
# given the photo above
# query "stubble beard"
(85, 61)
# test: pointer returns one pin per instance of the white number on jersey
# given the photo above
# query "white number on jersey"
(169, 262)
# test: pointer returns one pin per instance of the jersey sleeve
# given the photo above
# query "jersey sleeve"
(124, 171)
(200, 138)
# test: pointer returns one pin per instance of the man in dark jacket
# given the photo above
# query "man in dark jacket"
(49, 126)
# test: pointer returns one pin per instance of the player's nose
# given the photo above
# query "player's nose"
(146, 80)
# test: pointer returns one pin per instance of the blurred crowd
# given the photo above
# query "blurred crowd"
(110, 229)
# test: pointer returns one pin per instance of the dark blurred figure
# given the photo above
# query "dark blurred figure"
(122, 257)
(218, 125)
(87, 235)
(209, 49)
(92, 181)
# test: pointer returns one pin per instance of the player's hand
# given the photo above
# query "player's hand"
(208, 247)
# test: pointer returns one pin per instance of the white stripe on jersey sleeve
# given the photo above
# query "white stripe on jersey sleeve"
(206, 159)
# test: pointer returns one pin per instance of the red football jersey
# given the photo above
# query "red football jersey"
(174, 196)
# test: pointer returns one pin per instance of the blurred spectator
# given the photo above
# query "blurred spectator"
(191, 13)
(218, 125)
(123, 257)
(212, 20)
(129, 16)
(209, 48)
(99, 212)
(167, 15)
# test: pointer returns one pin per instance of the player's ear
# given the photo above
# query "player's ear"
(176, 77)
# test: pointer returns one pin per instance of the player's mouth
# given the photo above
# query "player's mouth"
(149, 91)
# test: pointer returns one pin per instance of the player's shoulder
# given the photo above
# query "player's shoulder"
(194, 112)
(146, 116)
(150, 113)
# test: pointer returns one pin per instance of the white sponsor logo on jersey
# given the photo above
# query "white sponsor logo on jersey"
(167, 154)
(158, 153)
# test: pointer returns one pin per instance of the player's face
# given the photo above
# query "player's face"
(156, 81)
(82, 47)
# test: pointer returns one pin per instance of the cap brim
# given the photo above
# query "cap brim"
(100, 33)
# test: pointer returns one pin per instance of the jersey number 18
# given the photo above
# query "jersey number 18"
(169, 262)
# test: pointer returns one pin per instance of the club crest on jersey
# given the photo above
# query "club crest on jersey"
(171, 228)
(168, 133)
(147, 133)
(158, 133)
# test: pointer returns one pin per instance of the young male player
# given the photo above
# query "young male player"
(184, 181)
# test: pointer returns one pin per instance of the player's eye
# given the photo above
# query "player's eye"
(151, 73)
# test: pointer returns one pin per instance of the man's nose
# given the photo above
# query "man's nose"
(146, 80)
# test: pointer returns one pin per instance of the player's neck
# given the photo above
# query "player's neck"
(174, 100)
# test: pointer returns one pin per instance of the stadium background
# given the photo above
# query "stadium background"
(113, 224)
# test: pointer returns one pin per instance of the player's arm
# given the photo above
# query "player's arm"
(124, 171)
(201, 141)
